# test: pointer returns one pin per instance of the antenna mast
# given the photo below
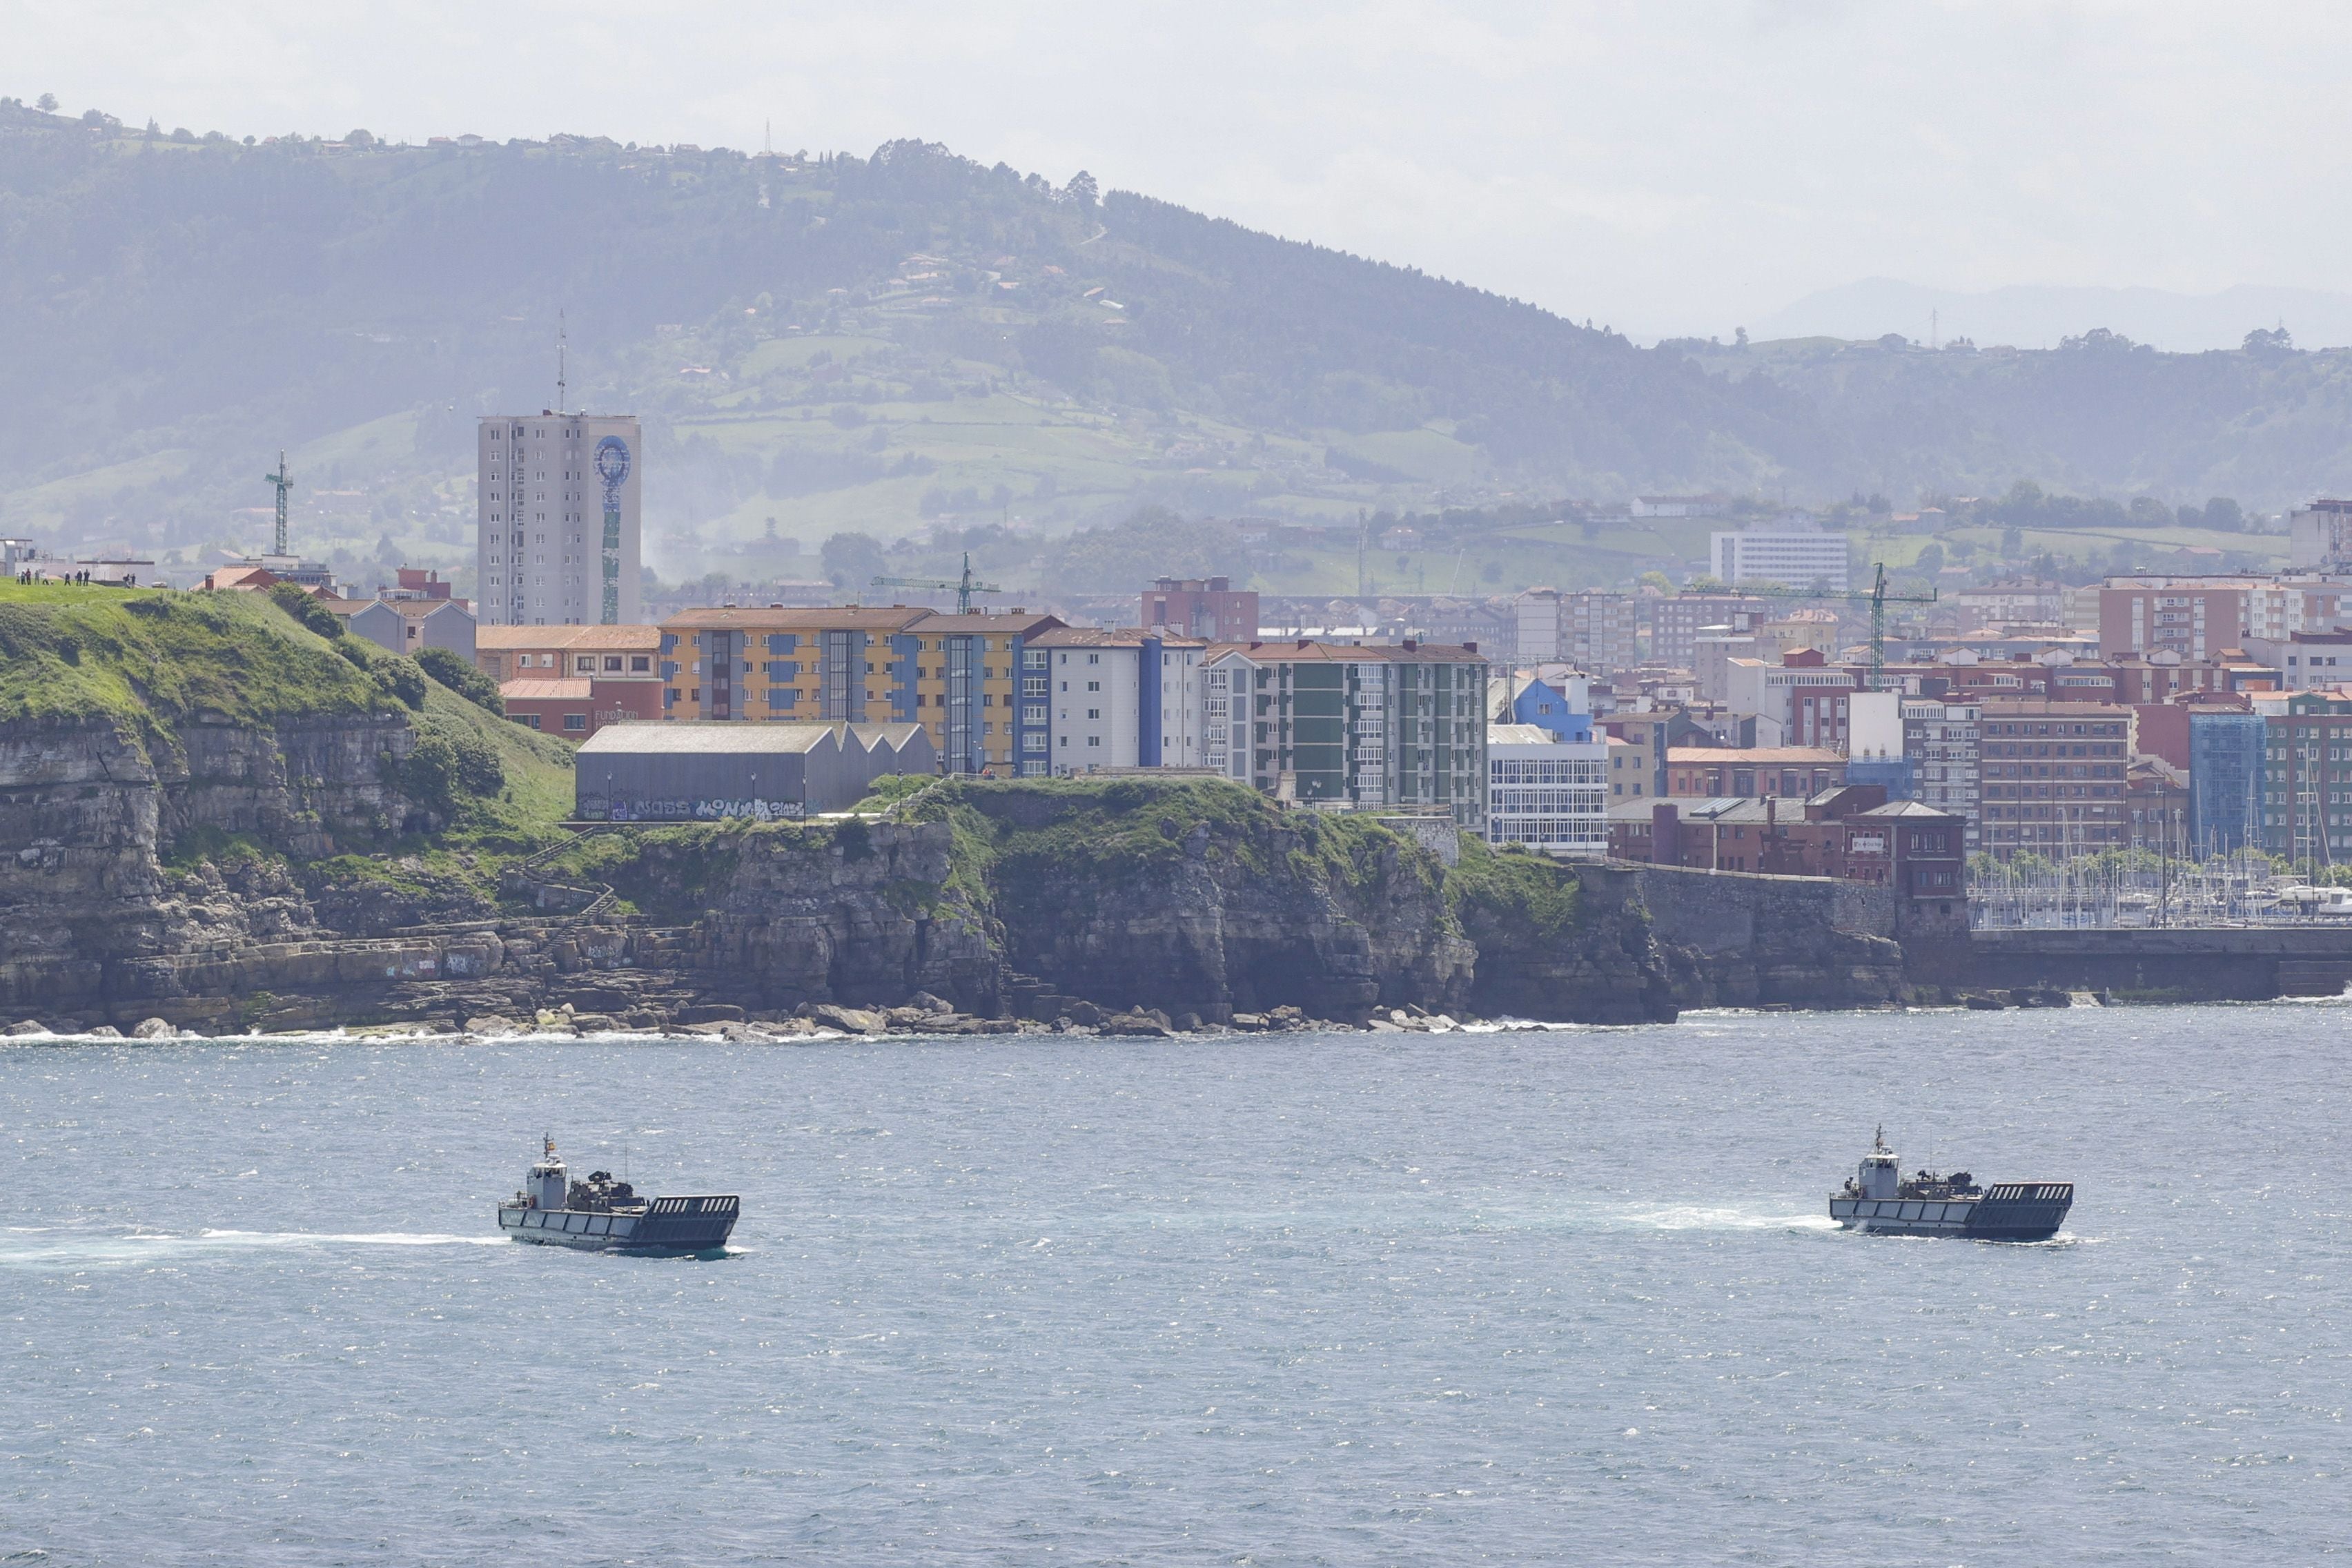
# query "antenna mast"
(563, 340)
(283, 484)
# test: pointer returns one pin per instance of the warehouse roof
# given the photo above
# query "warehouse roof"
(717, 737)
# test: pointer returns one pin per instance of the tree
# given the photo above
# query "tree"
(358, 139)
(2224, 515)
(451, 671)
(1082, 190)
(850, 559)
(1153, 541)
(46, 103)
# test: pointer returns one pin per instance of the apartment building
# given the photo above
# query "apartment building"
(1701, 772)
(1388, 725)
(1600, 632)
(1754, 688)
(2320, 535)
(2052, 777)
(557, 526)
(2307, 778)
(1941, 741)
(1795, 557)
(1123, 699)
(1208, 608)
(579, 652)
(2193, 620)
(1546, 792)
(1676, 620)
(955, 675)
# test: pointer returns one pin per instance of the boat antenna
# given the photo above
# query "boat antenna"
(547, 1144)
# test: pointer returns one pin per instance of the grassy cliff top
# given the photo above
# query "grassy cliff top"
(145, 658)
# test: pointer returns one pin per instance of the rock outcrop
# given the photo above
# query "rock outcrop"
(1145, 905)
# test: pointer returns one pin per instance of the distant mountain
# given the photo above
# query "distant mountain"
(2039, 318)
(884, 343)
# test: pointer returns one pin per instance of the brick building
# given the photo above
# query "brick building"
(2054, 776)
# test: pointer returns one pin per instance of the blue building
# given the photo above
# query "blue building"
(1548, 705)
(2225, 781)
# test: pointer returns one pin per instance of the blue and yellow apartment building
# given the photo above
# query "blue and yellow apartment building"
(975, 682)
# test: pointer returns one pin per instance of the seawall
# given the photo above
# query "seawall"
(2235, 964)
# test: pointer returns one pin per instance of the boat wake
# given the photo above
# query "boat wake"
(1702, 1216)
(37, 1250)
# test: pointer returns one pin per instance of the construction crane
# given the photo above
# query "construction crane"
(283, 484)
(964, 589)
(1878, 598)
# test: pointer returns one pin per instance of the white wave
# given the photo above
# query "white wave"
(148, 1247)
(1702, 1216)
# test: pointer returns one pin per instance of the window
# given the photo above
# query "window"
(575, 721)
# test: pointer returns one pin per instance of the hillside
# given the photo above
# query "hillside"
(908, 342)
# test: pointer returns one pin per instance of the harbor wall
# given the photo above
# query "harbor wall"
(2234, 964)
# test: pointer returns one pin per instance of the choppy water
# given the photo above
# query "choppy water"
(1551, 1297)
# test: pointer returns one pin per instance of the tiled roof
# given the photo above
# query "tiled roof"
(578, 690)
(839, 617)
(1306, 651)
(1754, 757)
(640, 638)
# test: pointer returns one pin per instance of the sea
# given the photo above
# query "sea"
(1558, 1295)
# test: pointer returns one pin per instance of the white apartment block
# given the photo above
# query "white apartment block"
(1796, 558)
(559, 540)
(1940, 737)
(1592, 629)
(1118, 699)
(1547, 794)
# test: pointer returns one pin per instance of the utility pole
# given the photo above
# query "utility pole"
(283, 484)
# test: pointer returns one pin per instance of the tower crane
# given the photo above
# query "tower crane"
(1878, 598)
(283, 484)
(964, 588)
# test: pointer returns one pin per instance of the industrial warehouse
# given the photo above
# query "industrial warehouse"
(703, 772)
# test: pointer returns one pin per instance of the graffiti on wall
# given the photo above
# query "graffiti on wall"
(703, 810)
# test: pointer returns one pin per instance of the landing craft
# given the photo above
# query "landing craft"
(601, 1214)
(1879, 1198)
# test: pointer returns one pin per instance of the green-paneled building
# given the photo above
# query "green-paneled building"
(1371, 726)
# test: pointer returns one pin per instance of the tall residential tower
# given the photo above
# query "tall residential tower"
(558, 519)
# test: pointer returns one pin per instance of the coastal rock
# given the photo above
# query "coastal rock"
(25, 1028)
(850, 1020)
(153, 1029)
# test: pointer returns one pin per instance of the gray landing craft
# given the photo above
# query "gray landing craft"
(605, 1215)
(1880, 1198)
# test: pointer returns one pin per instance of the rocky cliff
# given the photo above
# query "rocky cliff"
(216, 816)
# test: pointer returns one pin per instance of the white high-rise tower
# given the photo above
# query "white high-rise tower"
(557, 531)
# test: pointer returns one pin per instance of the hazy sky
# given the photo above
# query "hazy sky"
(1660, 167)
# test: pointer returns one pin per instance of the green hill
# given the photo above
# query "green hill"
(895, 343)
